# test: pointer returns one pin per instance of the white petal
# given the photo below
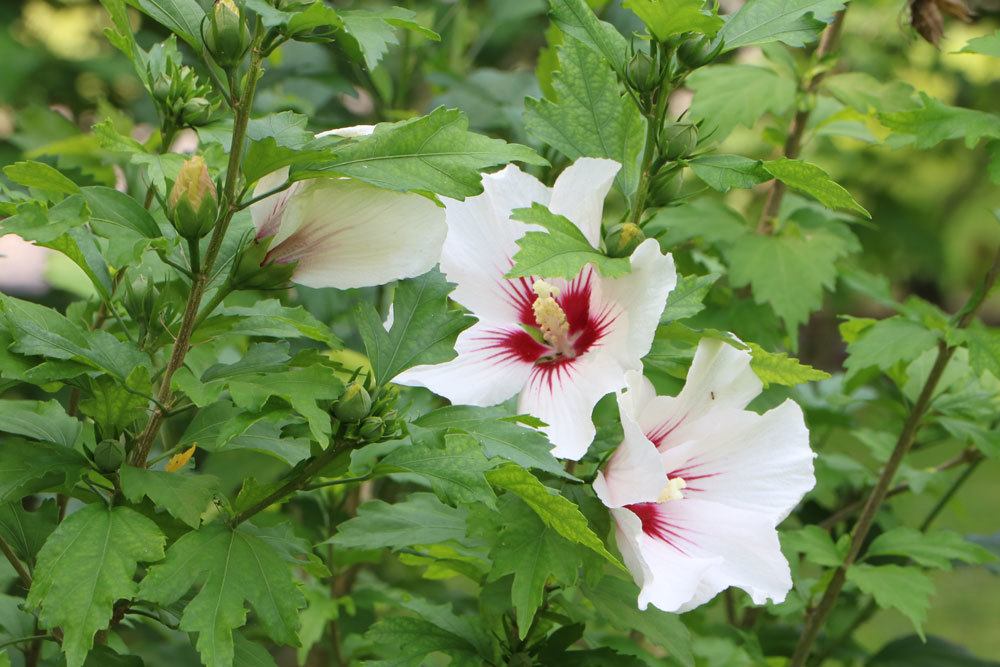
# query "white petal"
(482, 240)
(746, 541)
(267, 213)
(579, 193)
(667, 577)
(746, 461)
(636, 302)
(349, 132)
(563, 396)
(344, 233)
(634, 473)
(482, 374)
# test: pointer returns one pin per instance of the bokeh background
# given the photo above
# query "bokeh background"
(933, 226)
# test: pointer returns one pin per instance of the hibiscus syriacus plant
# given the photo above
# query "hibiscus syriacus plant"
(496, 373)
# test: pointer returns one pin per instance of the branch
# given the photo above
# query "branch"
(816, 616)
(18, 566)
(793, 143)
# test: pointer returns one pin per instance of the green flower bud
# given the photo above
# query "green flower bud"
(161, 88)
(678, 140)
(354, 404)
(109, 455)
(193, 203)
(665, 186)
(698, 51)
(641, 73)
(196, 111)
(253, 269)
(624, 239)
(227, 37)
(371, 428)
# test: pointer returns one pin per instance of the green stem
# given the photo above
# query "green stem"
(949, 494)
(296, 482)
(194, 251)
(19, 567)
(144, 442)
(816, 616)
(337, 482)
(29, 638)
(220, 296)
(653, 123)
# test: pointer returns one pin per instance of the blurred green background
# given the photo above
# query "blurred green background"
(932, 233)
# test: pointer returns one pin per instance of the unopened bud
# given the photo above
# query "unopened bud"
(193, 203)
(354, 404)
(197, 111)
(371, 428)
(641, 72)
(624, 239)
(227, 37)
(665, 186)
(109, 455)
(678, 140)
(698, 51)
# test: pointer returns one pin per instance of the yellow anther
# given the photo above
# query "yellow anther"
(672, 491)
(551, 319)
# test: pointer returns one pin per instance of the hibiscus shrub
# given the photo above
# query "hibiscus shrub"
(405, 393)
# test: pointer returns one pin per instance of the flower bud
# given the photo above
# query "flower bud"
(371, 428)
(678, 140)
(354, 403)
(109, 455)
(227, 36)
(196, 111)
(641, 73)
(698, 51)
(253, 269)
(193, 203)
(624, 239)
(665, 186)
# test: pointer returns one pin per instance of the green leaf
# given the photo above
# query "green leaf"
(30, 467)
(555, 511)
(865, 93)
(299, 387)
(813, 181)
(984, 350)
(435, 153)
(779, 368)
(499, 434)
(408, 641)
(987, 45)
(370, 32)
(232, 567)
(39, 420)
(687, 299)
(183, 17)
(815, 543)
(614, 600)
(113, 213)
(423, 329)
(40, 176)
(666, 18)
(788, 271)
(794, 22)
(115, 406)
(905, 589)
(80, 245)
(533, 552)
(420, 519)
(559, 252)
(266, 156)
(886, 343)
(939, 549)
(270, 319)
(935, 122)
(589, 116)
(454, 468)
(725, 172)
(35, 222)
(576, 19)
(183, 495)
(758, 89)
(26, 531)
(931, 651)
(87, 565)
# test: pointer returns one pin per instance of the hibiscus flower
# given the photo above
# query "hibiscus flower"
(699, 484)
(559, 344)
(340, 232)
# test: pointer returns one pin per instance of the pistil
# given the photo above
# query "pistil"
(551, 319)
